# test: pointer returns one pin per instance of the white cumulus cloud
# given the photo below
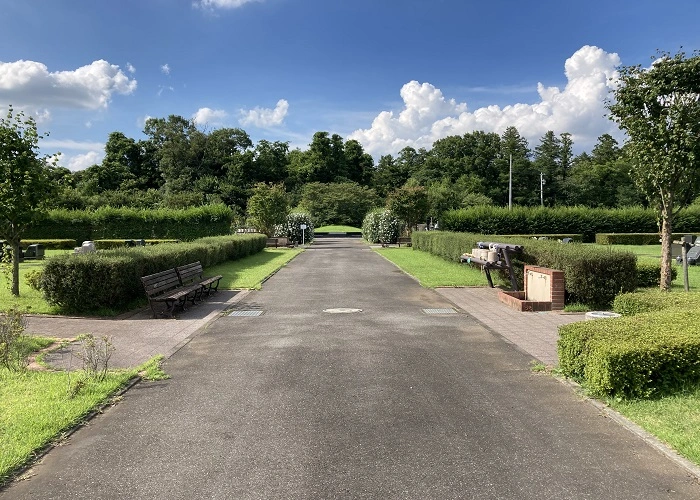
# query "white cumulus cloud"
(130, 68)
(265, 117)
(29, 84)
(222, 4)
(427, 116)
(165, 69)
(208, 116)
(82, 161)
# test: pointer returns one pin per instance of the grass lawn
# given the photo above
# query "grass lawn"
(652, 253)
(37, 407)
(29, 300)
(337, 229)
(673, 419)
(250, 272)
(432, 271)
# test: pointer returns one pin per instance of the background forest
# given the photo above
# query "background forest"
(178, 165)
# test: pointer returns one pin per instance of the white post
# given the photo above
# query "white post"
(510, 184)
(541, 189)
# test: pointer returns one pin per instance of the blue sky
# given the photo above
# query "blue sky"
(388, 73)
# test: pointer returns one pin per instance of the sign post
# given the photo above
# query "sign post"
(303, 228)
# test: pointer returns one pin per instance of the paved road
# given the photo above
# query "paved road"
(389, 402)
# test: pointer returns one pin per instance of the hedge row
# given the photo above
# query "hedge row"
(129, 223)
(111, 244)
(52, 244)
(563, 220)
(593, 276)
(629, 304)
(112, 278)
(631, 238)
(638, 356)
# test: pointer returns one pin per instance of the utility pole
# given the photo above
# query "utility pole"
(510, 184)
(541, 189)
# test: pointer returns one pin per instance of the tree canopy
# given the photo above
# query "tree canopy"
(659, 109)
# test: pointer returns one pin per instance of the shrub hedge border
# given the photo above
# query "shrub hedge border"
(111, 279)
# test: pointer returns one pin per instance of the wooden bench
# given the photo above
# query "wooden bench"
(192, 273)
(272, 242)
(167, 288)
(406, 240)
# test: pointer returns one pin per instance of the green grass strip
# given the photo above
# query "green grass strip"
(36, 407)
(673, 419)
(432, 271)
(250, 272)
(338, 229)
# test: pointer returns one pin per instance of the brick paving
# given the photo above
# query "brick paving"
(136, 336)
(534, 332)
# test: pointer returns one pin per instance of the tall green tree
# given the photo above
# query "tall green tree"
(547, 162)
(268, 207)
(410, 204)
(24, 182)
(659, 109)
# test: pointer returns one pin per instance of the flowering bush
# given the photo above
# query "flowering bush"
(292, 228)
(380, 226)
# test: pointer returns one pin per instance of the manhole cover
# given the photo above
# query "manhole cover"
(342, 310)
(448, 310)
(249, 314)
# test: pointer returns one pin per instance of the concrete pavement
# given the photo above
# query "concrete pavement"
(343, 378)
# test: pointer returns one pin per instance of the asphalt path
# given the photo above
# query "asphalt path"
(386, 402)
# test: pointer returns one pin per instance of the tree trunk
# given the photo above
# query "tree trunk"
(666, 237)
(16, 254)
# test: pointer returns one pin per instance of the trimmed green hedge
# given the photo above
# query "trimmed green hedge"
(629, 304)
(112, 278)
(593, 275)
(129, 223)
(637, 356)
(50, 244)
(649, 274)
(111, 244)
(631, 238)
(563, 220)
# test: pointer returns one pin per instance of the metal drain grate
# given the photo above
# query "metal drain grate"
(440, 311)
(247, 314)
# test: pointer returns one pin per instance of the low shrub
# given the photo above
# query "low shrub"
(57, 244)
(111, 278)
(593, 275)
(649, 274)
(121, 243)
(629, 304)
(563, 220)
(639, 356)
(381, 226)
(130, 223)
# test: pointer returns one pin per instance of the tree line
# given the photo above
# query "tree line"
(179, 165)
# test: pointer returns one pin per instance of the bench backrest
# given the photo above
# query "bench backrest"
(158, 283)
(190, 272)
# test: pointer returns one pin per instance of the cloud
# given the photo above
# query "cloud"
(71, 145)
(265, 117)
(208, 116)
(29, 84)
(165, 69)
(222, 4)
(428, 116)
(130, 68)
(82, 161)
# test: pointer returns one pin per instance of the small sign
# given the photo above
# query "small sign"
(303, 226)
